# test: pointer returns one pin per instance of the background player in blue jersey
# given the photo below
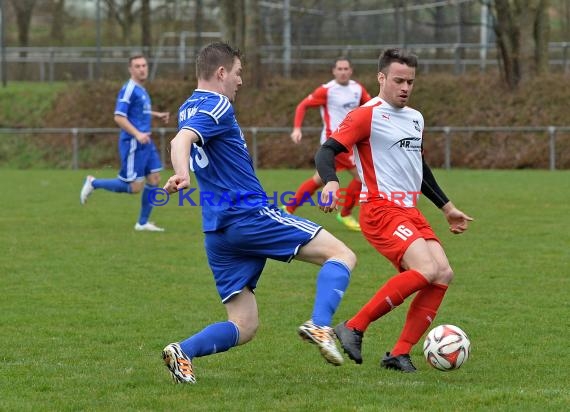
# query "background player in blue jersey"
(241, 233)
(139, 157)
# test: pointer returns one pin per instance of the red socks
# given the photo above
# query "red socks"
(304, 192)
(389, 296)
(421, 314)
(352, 196)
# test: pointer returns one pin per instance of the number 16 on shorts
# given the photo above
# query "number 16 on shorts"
(403, 232)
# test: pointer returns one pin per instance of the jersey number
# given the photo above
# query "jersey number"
(201, 158)
(403, 232)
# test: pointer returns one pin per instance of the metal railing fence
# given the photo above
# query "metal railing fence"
(253, 134)
(89, 63)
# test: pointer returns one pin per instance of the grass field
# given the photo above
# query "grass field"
(87, 305)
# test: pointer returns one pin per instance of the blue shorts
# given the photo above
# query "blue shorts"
(137, 160)
(237, 253)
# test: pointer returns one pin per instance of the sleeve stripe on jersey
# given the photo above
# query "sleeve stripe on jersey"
(218, 111)
(120, 113)
(197, 133)
(128, 92)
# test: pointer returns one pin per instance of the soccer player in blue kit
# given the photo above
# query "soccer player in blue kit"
(139, 157)
(242, 233)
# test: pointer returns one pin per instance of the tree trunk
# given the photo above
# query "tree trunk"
(566, 13)
(58, 21)
(252, 39)
(127, 23)
(542, 36)
(239, 6)
(124, 15)
(198, 16)
(439, 30)
(228, 25)
(522, 33)
(23, 9)
(146, 28)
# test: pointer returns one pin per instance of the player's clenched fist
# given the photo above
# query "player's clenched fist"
(176, 183)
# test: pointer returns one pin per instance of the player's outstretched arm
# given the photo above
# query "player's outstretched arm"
(316, 99)
(458, 221)
(164, 116)
(180, 155)
(324, 161)
(128, 127)
(296, 135)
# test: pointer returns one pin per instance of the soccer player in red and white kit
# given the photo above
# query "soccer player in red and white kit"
(387, 136)
(334, 99)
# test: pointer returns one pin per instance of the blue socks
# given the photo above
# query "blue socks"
(215, 338)
(146, 205)
(112, 185)
(332, 282)
(119, 186)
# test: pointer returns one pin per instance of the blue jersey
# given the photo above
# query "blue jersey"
(229, 188)
(133, 102)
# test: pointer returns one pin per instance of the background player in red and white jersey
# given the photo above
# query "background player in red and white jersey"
(334, 99)
(387, 139)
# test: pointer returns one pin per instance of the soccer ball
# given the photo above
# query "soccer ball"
(446, 347)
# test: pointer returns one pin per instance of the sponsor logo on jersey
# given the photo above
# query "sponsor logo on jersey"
(408, 143)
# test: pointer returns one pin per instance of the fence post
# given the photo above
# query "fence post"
(447, 163)
(75, 146)
(254, 146)
(552, 145)
(565, 57)
(51, 64)
(457, 56)
(42, 72)
(162, 132)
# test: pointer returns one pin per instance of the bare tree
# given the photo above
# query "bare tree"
(542, 34)
(23, 10)
(522, 29)
(252, 43)
(565, 7)
(233, 22)
(241, 28)
(440, 24)
(198, 16)
(57, 33)
(146, 28)
(124, 15)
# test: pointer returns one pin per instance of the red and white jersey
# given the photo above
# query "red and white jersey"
(387, 143)
(335, 101)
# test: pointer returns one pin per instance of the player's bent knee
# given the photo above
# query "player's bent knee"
(429, 270)
(136, 187)
(445, 276)
(349, 257)
(153, 179)
(247, 331)
(342, 252)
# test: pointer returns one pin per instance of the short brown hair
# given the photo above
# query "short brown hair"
(136, 56)
(213, 56)
(341, 59)
(402, 56)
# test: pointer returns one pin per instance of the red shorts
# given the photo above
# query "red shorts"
(344, 161)
(391, 229)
